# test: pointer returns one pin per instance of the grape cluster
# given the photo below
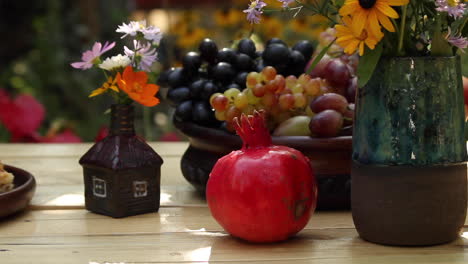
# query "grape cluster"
(205, 73)
(211, 70)
(281, 98)
(287, 61)
(324, 98)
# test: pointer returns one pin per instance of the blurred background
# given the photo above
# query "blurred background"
(42, 37)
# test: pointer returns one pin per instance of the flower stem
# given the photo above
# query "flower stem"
(402, 30)
(147, 124)
(463, 25)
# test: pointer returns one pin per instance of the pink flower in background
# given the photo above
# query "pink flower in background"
(66, 136)
(102, 133)
(90, 57)
(21, 116)
(170, 137)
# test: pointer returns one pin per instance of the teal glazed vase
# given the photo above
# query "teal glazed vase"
(409, 176)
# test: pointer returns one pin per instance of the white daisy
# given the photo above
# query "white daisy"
(150, 33)
(143, 56)
(115, 62)
(131, 28)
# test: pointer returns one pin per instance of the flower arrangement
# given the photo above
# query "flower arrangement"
(127, 74)
(375, 28)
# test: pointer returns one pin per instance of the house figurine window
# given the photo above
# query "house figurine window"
(140, 189)
(99, 187)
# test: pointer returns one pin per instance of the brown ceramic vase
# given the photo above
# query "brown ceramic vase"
(409, 176)
(122, 173)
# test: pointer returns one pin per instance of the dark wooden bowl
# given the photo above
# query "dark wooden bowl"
(17, 199)
(330, 159)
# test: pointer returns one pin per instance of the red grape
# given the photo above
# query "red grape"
(259, 90)
(337, 73)
(319, 70)
(269, 73)
(220, 103)
(286, 101)
(326, 124)
(280, 82)
(328, 101)
(269, 99)
(351, 90)
(232, 112)
(349, 115)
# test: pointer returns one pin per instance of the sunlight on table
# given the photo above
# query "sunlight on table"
(67, 199)
(200, 254)
(165, 197)
(465, 235)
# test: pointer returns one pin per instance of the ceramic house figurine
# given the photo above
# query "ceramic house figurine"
(122, 173)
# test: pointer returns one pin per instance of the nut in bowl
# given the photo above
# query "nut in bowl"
(19, 193)
(6, 180)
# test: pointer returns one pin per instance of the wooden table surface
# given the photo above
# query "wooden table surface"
(57, 229)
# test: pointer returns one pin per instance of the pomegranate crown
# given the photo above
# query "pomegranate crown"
(252, 130)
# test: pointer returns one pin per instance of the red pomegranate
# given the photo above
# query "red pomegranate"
(261, 193)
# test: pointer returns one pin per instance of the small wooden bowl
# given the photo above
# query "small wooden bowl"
(17, 199)
(330, 159)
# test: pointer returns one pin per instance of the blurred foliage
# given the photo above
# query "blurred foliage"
(37, 50)
(36, 59)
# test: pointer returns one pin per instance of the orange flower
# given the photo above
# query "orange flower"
(135, 85)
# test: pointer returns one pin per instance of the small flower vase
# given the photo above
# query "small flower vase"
(409, 176)
(121, 172)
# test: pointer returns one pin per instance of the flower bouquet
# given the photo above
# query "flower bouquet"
(409, 120)
(122, 172)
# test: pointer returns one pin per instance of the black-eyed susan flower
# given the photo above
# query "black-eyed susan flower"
(111, 83)
(372, 13)
(350, 40)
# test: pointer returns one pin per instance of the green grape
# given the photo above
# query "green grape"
(221, 116)
(253, 79)
(291, 81)
(300, 100)
(304, 79)
(309, 112)
(298, 88)
(231, 94)
(312, 88)
(248, 110)
(241, 101)
(251, 98)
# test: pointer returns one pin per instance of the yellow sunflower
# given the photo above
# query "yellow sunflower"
(351, 41)
(372, 13)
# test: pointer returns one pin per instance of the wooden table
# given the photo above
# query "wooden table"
(57, 228)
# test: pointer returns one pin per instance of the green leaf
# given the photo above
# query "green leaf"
(339, 2)
(367, 64)
(319, 57)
